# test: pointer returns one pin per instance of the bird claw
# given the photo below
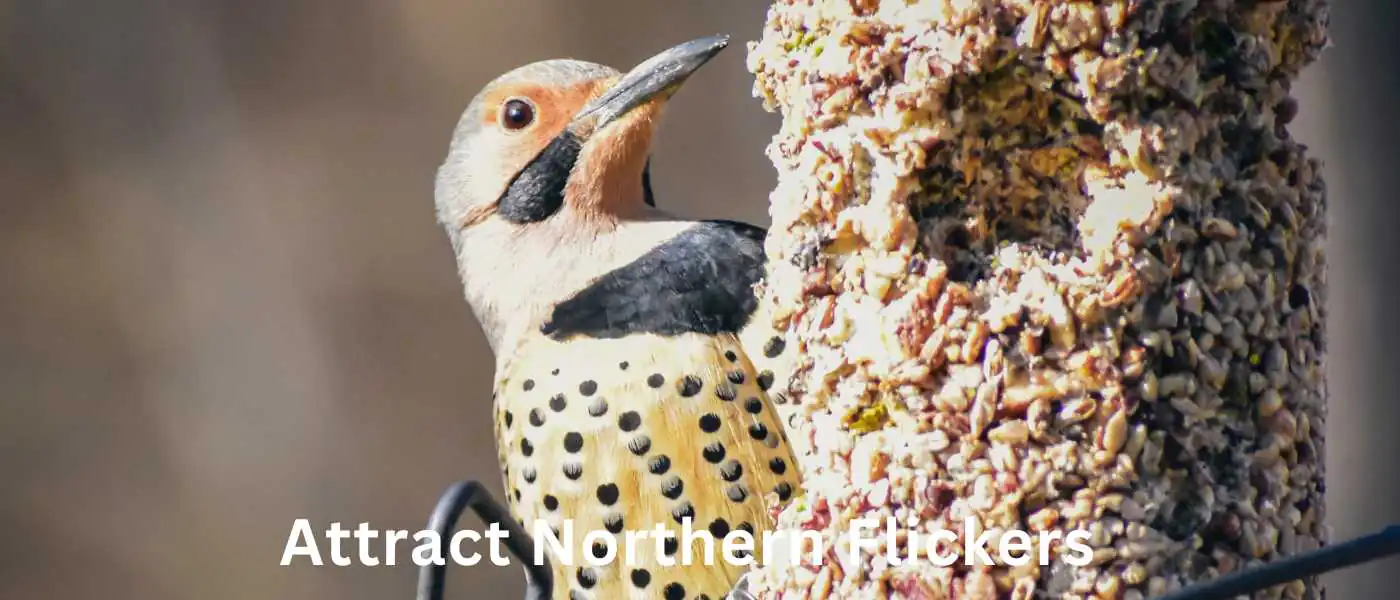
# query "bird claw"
(539, 579)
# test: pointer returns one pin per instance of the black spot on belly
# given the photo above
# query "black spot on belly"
(623, 365)
(726, 392)
(737, 493)
(670, 545)
(536, 417)
(674, 591)
(758, 431)
(599, 550)
(709, 423)
(713, 453)
(731, 471)
(607, 494)
(557, 403)
(672, 487)
(641, 578)
(735, 377)
(529, 474)
(525, 447)
(573, 442)
(598, 408)
(656, 380)
(528, 385)
(778, 466)
(690, 385)
(685, 511)
(509, 418)
(587, 577)
(719, 528)
(744, 552)
(629, 421)
(765, 380)
(613, 523)
(639, 445)
(774, 346)
(550, 502)
(573, 471)
(659, 465)
(588, 388)
(753, 405)
(784, 490)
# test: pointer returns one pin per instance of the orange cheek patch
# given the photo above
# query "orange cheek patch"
(555, 107)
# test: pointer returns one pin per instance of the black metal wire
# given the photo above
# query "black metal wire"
(539, 579)
(1340, 556)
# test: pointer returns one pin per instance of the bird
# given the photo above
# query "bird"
(635, 363)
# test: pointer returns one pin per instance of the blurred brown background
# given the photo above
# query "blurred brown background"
(224, 302)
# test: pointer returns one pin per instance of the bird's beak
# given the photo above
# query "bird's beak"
(658, 77)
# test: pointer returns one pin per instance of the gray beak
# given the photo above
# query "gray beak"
(658, 77)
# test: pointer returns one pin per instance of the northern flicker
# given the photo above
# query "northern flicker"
(633, 363)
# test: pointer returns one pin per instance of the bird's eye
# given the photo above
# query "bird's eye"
(517, 114)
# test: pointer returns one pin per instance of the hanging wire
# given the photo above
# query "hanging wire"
(539, 579)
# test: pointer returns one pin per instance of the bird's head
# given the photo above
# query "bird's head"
(546, 171)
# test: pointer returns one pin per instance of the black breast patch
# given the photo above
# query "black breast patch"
(700, 281)
(538, 190)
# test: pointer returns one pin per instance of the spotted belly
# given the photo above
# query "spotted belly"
(621, 436)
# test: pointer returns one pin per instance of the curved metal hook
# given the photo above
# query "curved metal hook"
(539, 578)
(1346, 554)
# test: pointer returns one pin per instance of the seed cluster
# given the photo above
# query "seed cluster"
(1053, 265)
